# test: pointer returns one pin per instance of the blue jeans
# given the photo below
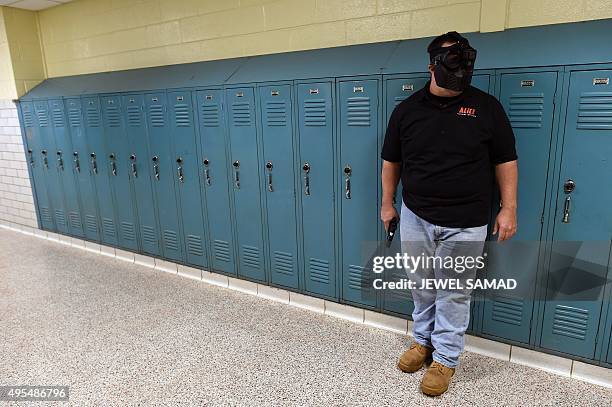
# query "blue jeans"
(440, 315)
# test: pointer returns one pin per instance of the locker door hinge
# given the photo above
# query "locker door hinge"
(542, 218)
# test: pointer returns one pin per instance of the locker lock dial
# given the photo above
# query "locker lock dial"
(306, 169)
(207, 171)
(45, 161)
(60, 161)
(568, 188)
(179, 169)
(347, 181)
(236, 165)
(113, 164)
(31, 157)
(94, 164)
(155, 160)
(269, 167)
(133, 165)
(77, 164)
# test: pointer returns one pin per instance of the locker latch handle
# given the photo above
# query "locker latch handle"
(31, 157)
(179, 170)
(94, 164)
(113, 164)
(60, 161)
(306, 169)
(347, 181)
(133, 165)
(207, 171)
(77, 164)
(45, 160)
(155, 160)
(269, 167)
(568, 188)
(236, 165)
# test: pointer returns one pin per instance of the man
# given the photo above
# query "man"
(446, 141)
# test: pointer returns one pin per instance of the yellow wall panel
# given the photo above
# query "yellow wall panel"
(289, 13)
(333, 10)
(434, 21)
(397, 6)
(379, 28)
(318, 36)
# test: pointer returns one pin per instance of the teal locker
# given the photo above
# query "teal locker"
(162, 164)
(528, 99)
(215, 179)
(278, 166)
(316, 143)
(140, 171)
(579, 264)
(358, 176)
(66, 169)
(245, 182)
(399, 301)
(82, 171)
(38, 164)
(97, 159)
(187, 169)
(119, 166)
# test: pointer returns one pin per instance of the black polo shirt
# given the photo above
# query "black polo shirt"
(448, 148)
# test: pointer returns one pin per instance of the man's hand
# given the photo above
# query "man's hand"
(387, 213)
(505, 224)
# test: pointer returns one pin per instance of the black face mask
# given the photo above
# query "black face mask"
(454, 66)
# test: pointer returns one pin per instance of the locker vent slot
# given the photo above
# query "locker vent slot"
(283, 263)
(170, 240)
(508, 311)
(156, 113)
(358, 111)
(314, 112)
(398, 99)
(58, 117)
(319, 270)
(27, 118)
(194, 245)
(108, 227)
(526, 110)
(45, 215)
(74, 117)
(181, 115)
(91, 224)
(148, 235)
(355, 276)
(595, 111)
(241, 113)
(93, 116)
(276, 113)
(112, 115)
(210, 115)
(129, 232)
(221, 249)
(250, 256)
(43, 117)
(59, 217)
(133, 116)
(571, 322)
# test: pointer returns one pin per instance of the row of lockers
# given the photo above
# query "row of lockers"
(279, 183)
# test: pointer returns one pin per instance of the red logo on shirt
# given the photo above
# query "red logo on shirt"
(467, 111)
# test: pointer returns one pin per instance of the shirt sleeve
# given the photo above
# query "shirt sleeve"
(502, 147)
(391, 149)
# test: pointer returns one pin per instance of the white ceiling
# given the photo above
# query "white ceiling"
(32, 4)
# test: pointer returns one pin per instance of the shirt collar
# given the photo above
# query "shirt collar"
(427, 96)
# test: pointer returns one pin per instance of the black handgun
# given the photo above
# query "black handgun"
(391, 231)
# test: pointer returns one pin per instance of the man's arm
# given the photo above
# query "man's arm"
(390, 178)
(507, 180)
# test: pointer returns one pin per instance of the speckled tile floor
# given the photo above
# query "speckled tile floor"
(122, 334)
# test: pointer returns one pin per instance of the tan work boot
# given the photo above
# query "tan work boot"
(414, 358)
(436, 379)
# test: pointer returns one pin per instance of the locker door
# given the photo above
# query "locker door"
(245, 182)
(65, 167)
(359, 131)
(278, 166)
(82, 171)
(481, 82)
(583, 220)
(118, 162)
(316, 135)
(38, 168)
(161, 160)
(216, 181)
(399, 301)
(139, 172)
(97, 158)
(187, 169)
(528, 99)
